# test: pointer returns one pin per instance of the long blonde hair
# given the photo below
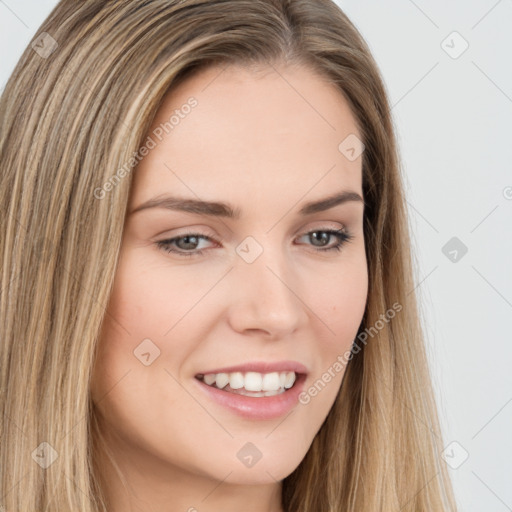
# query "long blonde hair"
(75, 110)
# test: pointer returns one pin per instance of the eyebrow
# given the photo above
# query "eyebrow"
(220, 209)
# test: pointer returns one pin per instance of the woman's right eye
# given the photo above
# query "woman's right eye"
(188, 248)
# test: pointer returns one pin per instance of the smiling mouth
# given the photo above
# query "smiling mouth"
(252, 384)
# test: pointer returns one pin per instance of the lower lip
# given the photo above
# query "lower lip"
(256, 408)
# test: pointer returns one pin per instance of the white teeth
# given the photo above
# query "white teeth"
(253, 381)
(290, 379)
(221, 380)
(236, 380)
(210, 379)
(260, 384)
(271, 381)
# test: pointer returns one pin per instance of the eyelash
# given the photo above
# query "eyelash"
(342, 235)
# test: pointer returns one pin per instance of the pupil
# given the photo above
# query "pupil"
(188, 244)
(323, 235)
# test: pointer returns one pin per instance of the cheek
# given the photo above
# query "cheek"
(152, 295)
(150, 298)
(149, 304)
(340, 302)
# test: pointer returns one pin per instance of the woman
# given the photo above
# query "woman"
(207, 292)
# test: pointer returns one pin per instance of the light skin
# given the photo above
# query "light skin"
(267, 144)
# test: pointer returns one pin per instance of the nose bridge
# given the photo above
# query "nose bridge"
(265, 297)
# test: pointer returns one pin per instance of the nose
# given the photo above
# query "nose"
(266, 298)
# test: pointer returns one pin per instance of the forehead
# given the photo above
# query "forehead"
(266, 133)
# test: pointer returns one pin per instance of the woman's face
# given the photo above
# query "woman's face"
(255, 287)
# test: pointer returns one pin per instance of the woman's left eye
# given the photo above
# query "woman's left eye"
(187, 245)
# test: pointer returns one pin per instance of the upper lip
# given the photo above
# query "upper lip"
(261, 367)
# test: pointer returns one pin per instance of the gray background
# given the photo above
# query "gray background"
(453, 115)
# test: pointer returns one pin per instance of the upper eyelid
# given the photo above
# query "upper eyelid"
(205, 232)
(198, 232)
